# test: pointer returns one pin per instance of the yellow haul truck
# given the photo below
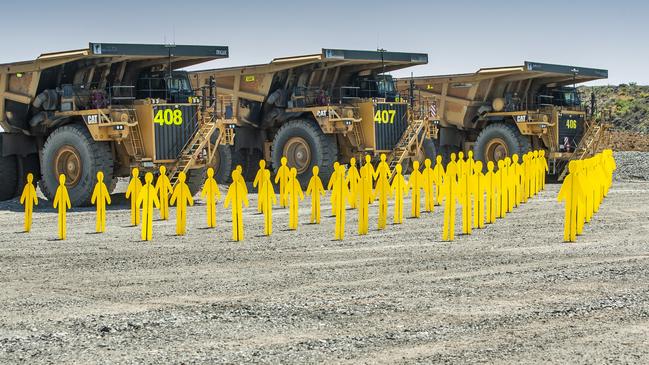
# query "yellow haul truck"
(109, 107)
(501, 111)
(317, 109)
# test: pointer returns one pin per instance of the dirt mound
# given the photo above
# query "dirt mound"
(632, 165)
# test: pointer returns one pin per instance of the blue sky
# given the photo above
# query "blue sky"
(459, 35)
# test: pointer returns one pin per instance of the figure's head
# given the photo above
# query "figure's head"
(515, 158)
(315, 170)
(210, 172)
(283, 161)
(460, 156)
(368, 158)
(542, 153)
(239, 168)
(383, 157)
(399, 168)
(336, 164)
(182, 177)
(470, 154)
(62, 179)
(236, 174)
(536, 153)
(501, 164)
(100, 176)
(293, 172)
(148, 177)
(427, 162)
(136, 172)
(478, 166)
(30, 177)
(572, 166)
(415, 165)
(262, 164)
(490, 166)
(508, 161)
(453, 157)
(163, 170)
(352, 161)
(438, 159)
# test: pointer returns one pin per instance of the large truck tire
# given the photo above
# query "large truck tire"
(9, 173)
(195, 179)
(428, 151)
(499, 140)
(305, 145)
(222, 164)
(249, 161)
(70, 150)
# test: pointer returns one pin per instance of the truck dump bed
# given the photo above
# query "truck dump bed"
(458, 99)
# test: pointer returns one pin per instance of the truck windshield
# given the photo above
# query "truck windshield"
(174, 89)
(566, 97)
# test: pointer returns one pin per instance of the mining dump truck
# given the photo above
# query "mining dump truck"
(109, 107)
(317, 109)
(501, 111)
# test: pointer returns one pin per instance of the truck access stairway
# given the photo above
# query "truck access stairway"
(588, 146)
(412, 137)
(192, 150)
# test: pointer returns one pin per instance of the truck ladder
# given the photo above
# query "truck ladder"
(402, 150)
(192, 150)
(587, 147)
(136, 136)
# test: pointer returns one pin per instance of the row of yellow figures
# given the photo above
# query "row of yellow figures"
(583, 190)
(354, 188)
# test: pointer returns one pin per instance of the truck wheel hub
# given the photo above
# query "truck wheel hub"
(68, 163)
(497, 150)
(298, 153)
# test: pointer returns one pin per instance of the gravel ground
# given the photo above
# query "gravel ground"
(632, 166)
(511, 293)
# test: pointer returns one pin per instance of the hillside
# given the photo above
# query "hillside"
(629, 104)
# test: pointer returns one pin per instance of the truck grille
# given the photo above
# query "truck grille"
(171, 136)
(390, 122)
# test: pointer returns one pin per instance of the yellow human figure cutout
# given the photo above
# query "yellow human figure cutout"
(516, 180)
(479, 190)
(524, 178)
(535, 172)
(398, 189)
(502, 189)
(383, 169)
(340, 191)
(29, 199)
(450, 196)
(133, 191)
(582, 202)
(492, 188)
(294, 194)
(509, 180)
(100, 198)
(330, 186)
(370, 169)
(62, 202)
(570, 194)
(415, 185)
(181, 197)
(465, 181)
(460, 164)
(267, 195)
(544, 166)
(470, 162)
(353, 179)
(315, 190)
(241, 180)
(146, 199)
(211, 194)
(259, 179)
(281, 177)
(364, 197)
(238, 198)
(429, 182)
(439, 173)
(163, 189)
(382, 191)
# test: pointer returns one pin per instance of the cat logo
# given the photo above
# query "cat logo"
(92, 119)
